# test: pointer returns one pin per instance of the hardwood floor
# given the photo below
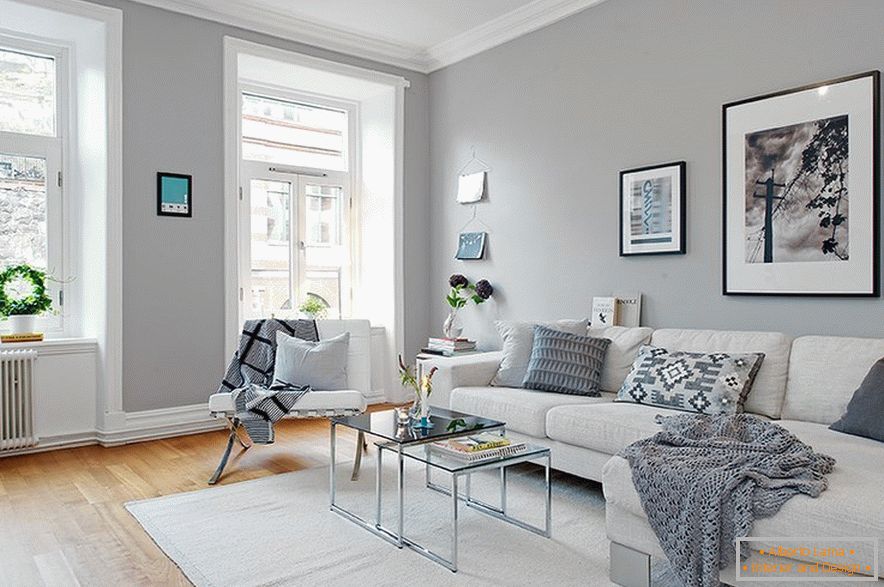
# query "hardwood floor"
(62, 520)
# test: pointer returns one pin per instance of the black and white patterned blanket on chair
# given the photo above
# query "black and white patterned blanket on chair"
(249, 376)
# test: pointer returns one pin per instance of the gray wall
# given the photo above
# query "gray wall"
(173, 272)
(558, 113)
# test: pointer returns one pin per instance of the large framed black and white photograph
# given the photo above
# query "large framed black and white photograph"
(801, 190)
(652, 210)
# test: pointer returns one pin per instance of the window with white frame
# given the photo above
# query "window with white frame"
(31, 132)
(295, 173)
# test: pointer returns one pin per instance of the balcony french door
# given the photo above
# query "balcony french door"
(294, 240)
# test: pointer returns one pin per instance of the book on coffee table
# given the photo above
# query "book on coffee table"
(447, 449)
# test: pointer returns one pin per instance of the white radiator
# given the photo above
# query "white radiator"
(17, 399)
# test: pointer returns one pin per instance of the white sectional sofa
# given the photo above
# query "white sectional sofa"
(803, 383)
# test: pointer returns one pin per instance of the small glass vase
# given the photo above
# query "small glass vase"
(452, 327)
(420, 412)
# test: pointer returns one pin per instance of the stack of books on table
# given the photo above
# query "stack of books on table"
(447, 347)
(479, 447)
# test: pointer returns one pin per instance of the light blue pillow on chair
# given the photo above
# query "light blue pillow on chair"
(321, 365)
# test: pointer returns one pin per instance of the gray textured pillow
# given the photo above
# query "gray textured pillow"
(321, 365)
(565, 363)
(713, 383)
(518, 340)
(864, 412)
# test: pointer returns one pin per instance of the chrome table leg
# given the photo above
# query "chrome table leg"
(400, 477)
(548, 526)
(503, 490)
(331, 468)
(454, 500)
(377, 488)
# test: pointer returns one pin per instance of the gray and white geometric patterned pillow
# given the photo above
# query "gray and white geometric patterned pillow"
(562, 362)
(714, 383)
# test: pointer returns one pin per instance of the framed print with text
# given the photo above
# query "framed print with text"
(653, 210)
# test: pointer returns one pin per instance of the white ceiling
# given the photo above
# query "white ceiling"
(422, 35)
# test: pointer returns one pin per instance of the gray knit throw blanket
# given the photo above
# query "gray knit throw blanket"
(703, 480)
(250, 375)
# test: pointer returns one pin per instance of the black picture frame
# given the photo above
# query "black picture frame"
(874, 208)
(169, 211)
(679, 236)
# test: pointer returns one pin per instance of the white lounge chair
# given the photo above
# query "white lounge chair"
(316, 403)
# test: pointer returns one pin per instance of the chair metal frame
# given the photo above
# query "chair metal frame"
(234, 426)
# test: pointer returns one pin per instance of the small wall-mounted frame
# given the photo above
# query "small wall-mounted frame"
(174, 195)
(471, 246)
(652, 210)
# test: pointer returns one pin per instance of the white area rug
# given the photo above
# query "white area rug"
(279, 531)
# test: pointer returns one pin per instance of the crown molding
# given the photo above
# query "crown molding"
(521, 21)
(285, 26)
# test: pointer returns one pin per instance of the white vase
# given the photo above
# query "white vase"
(22, 323)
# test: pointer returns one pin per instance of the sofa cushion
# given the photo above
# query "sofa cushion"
(518, 340)
(766, 396)
(523, 410)
(866, 407)
(625, 342)
(850, 507)
(562, 362)
(824, 372)
(705, 383)
(605, 427)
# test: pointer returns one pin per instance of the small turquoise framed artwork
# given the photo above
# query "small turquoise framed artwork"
(174, 194)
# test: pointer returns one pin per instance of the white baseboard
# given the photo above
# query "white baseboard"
(161, 423)
(124, 428)
(57, 442)
(128, 427)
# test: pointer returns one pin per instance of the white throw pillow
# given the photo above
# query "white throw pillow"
(625, 343)
(321, 365)
(518, 340)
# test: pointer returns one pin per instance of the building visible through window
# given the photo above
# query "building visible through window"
(31, 215)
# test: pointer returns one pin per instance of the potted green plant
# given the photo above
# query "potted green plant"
(462, 292)
(313, 307)
(23, 296)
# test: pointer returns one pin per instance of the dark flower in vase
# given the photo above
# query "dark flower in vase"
(484, 290)
(458, 280)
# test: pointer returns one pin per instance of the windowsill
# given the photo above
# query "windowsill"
(56, 346)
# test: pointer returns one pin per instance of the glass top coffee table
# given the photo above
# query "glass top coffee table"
(407, 443)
